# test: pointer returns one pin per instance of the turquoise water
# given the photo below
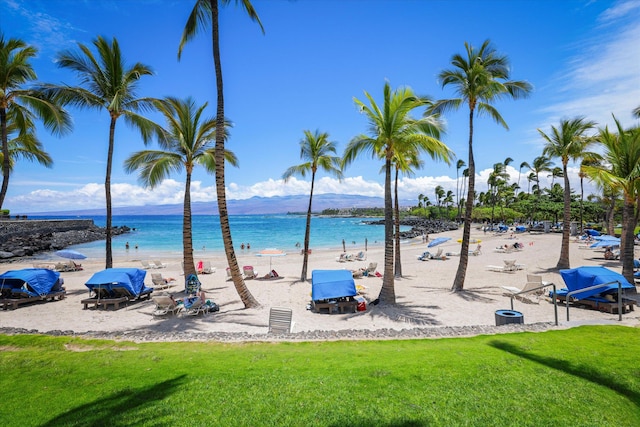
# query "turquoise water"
(155, 234)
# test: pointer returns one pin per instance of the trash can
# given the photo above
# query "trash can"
(505, 317)
(362, 303)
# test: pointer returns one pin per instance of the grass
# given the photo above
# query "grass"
(587, 376)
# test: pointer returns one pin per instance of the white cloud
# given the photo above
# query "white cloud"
(91, 196)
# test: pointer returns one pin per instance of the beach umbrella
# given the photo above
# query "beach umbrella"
(606, 237)
(437, 241)
(607, 242)
(271, 252)
(70, 254)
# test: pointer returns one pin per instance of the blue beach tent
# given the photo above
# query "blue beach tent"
(33, 281)
(131, 279)
(584, 277)
(327, 284)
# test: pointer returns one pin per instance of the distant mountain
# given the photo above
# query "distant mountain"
(254, 205)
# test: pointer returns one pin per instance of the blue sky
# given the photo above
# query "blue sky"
(581, 57)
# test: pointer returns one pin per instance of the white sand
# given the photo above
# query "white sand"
(423, 295)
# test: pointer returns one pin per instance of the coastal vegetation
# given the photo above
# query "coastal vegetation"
(20, 107)
(318, 152)
(106, 82)
(186, 142)
(394, 134)
(480, 79)
(203, 14)
(582, 376)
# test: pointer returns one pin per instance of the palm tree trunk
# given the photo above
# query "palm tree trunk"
(307, 232)
(387, 292)
(247, 298)
(5, 155)
(458, 283)
(564, 262)
(107, 191)
(187, 235)
(581, 204)
(398, 263)
(627, 239)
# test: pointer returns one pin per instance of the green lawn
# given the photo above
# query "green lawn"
(587, 376)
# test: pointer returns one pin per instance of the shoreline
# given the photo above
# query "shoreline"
(425, 306)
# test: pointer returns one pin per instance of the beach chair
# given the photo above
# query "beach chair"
(280, 320)
(371, 269)
(361, 256)
(194, 306)
(342, 257)
(425, 256)
(529, 286)
(477, 251)
(249, 272)
(146, 265)
(160, 282)
(207, 269)
(165, 305)
(159, 264)
(437, 255)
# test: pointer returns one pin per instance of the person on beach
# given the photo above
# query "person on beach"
(242, 246)
(248, 246)
(126, 246)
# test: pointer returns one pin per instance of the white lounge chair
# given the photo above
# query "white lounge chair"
(361, 256)
(146, 265)
(280, 320)
(159, 264)
(207, 269)
(165, 305)
(249, 272)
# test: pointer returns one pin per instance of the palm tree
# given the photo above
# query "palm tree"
(620, 171)
(540, 164)
(318, 152)
(20, 106)
(568, 142)
(636, 112)
(591, 159)
(439, 191)
(522, 165)
(187, 142)
(106, 82)
(479, 79)
(459, 165)
(204, 12)
(392, 128)
(23, 144)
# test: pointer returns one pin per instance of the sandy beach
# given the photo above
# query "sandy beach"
(424, 299)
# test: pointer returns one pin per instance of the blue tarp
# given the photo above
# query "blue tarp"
(591, 232)
(584, 277)
(520, 228)
(131, 279)
(36, 281)
(327, 284)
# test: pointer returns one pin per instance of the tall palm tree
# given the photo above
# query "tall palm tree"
(205, 12)
(620, 171)
(392, 126)
(20, 106)
(106, 82)
(636, 112)
(187, 142)
(459, 165)
(522, 165)
(480, 78)
(318, 152)
(568, 142)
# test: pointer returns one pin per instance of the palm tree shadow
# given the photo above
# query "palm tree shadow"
(109, 410)
(569, 368)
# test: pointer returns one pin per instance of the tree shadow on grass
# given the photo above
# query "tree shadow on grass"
(576, 370)
(121, 408)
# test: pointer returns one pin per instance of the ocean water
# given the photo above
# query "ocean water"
(162, 234)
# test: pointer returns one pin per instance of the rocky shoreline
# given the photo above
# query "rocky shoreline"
(25, 239)
(319, 335)
(421, 226)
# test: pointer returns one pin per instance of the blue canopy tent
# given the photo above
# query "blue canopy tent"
(328, 284)
(591, 232)
(521, 229)
(111, 279)
(36, 282)
(604, 243)
(584, 277)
